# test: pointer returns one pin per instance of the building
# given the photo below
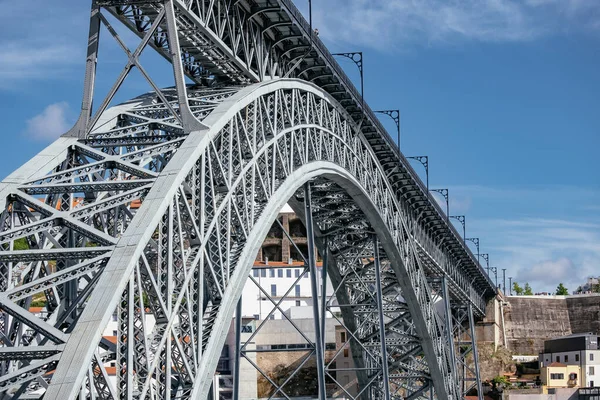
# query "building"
(591, 286)
(280, 271)
(561, 375)
(580, 350)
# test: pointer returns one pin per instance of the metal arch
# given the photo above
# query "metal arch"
(166, 210)
(237, 52)
(77, 240)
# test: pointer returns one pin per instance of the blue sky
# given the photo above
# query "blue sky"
(502, 95)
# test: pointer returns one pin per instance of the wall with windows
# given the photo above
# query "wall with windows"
(587, 360)
(287, 285)
(561, 375)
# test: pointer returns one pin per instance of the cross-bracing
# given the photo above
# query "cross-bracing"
(155, 210)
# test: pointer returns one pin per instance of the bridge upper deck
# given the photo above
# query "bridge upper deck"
(245, 41)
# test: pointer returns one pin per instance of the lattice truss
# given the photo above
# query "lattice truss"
(59, 230)
(153, 211)
(146, 220)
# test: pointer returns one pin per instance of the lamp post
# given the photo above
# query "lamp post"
(495, 271)
(310, 18)
(394, 115)
(462, 220)
(424, 160)
(476, 242)
(486, 257)
(510, 285)
(357, 57)
(444, 192)
(504, 281)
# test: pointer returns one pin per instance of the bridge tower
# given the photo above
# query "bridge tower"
(152, 211)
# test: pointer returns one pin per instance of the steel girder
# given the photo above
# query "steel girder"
(72, 217)
(233, 42)
(186, 252)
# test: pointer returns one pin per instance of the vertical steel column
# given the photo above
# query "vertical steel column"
(324, 290)
(384, 360)
(449, 327)
(80, 128)
(310, 235)
(238, 340)
(188, 120)
(474, 350)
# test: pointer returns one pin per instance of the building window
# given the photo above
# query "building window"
(591, 356)
(297, 273)
(280, 273)
(273, 290)
(343, 337)
(288, 273)
(272, 273)
(297, 303)
(114, 316)
(272, 316)
(115, 333)
(557, 376)
(576, 357)
(256, 317)
(345, 352)
(255, 273)
(297, 290)
(263, 273)
(566, 358)
(591, 371)
(557, 358)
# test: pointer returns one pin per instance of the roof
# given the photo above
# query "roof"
(557, 364)
(281, 264)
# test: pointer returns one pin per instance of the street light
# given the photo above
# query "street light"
(495, 271)
(444, 192)
(462, 220)
(395, 115)
(357, 57)
(423, 160)
(510, 285)
(476, 242)
(486, 257)
(504, 281)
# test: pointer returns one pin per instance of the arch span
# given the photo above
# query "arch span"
(208, 198)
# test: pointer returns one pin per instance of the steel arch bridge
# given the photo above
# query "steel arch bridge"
(158, 206)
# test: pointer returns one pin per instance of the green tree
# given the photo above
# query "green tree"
(561, 290)
(21, 244)
(527, 290)
(517, 289)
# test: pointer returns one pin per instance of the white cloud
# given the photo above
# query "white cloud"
(23, 60)
(538, 241)
(549, 272)
(41, 42)
(50, 123)
(545, 252)
(388, 24)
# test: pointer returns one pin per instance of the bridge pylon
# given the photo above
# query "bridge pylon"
(147, 216)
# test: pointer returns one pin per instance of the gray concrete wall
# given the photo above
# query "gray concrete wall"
(584, 313)
(532, 319)
(561, 394)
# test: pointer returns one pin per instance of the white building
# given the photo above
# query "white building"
(578, 349)
(277, 280)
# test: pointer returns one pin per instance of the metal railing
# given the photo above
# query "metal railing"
(370, 115)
